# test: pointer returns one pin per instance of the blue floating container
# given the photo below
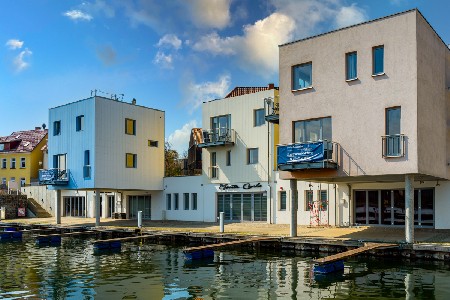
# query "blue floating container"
(40, 240)
(115, 244)
(208, 253)
(55, 239)
(101, 246)
(193, 255)
(330, 267)
(9, 229)
(17, 234)
(5, 236)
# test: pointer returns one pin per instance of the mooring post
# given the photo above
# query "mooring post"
(409, 209)
(222, 227)
(140, 219)
(294, 197)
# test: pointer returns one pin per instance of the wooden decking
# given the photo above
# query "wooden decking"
(126, 239)
(213, 246)
(353, 252)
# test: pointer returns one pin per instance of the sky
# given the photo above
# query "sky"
(170, 55)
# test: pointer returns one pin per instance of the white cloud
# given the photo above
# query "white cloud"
(214, 44)
(350, 15)
(14, 44)
(179, 139)
(196, 93)
(211, 13)
(77, 15)
(170, 40)
(164, 60)
(19, 61)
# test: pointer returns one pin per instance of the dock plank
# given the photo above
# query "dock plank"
(353, 252)
(237, 242)
(125, 239)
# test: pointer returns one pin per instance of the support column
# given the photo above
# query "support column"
(58, 207)
(294, 206)
(409, 209)
(97, 208)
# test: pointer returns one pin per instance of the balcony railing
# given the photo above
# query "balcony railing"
(274, 113)
(54, 177)
(217, 137)
(393, 145)
(309, 155)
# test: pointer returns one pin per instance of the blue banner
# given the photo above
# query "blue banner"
(297, 153)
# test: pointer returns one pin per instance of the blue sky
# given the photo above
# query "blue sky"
(170, 55)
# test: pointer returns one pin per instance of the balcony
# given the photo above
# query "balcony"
(393, 145)
(54, 177)
(217, 137)
(274, 113)
(309, 155)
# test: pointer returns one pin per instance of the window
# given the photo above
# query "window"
(130, 126)
(301, 76)
(4, 162)
(378, 60)
(252, 156)
(131, 160)
(57, 128)
(312, 130)
(221, 128)
(351, 66)
(258, 117)
(59, 161)
(152, 143)
(22, 162)
(169, 201)
(323, 200)
(283, 200)
(176, 201)
(13, 163)
(22, 181)
(194, 201)
(186, 201)
(393, 143)
(3, 180)
(13, 179)
(87, 164)
(80, 123)
(2, 147)
(214, 165)
(228, 158)
(309, 200)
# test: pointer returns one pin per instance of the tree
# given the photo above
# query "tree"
(171, 161)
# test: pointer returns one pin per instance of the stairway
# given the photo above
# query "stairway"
(37, 209)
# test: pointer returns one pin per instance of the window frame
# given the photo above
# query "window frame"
(347, 65)
(374, 60)
(321, 200)
(79, 123)
(153, 144)
(228, 158)
(213, 166)
(281, 208)
(320, 138)
(249, 156)
(169, 201)
(186, 201)
(307, 200)
(133, 126)
(176, 201)
(194, 199)
(4, 163)
(13, 163)
(134, 158)
(262, 120)
(56, 128)
(293, 68)
(23, 164)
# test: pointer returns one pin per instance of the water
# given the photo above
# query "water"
(148, 271)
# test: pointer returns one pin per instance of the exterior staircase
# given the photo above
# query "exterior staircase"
(37, 209)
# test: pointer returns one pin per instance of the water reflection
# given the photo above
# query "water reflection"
(146, 271)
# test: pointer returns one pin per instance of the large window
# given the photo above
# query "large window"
(351, 66)
(221, 128)
(79, 123)
(252, 156)
(130, 126)
(393, 146)
(258, 117)
(378, 60)
(131, 160)
(186, 201)
(312, 130)
(301, 76)
(59, 161)
(283, 200)
(57, 128)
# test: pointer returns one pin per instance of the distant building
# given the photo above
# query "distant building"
(21, 156)
(194, 161)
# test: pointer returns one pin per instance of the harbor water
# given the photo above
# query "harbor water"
(74, 270)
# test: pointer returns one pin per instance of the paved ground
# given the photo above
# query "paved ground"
(387, 234)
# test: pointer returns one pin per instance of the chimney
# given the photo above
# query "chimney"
(271, 86)
(37, 128)
(133, 101)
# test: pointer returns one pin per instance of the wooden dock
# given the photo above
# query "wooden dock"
(214, 246)
(126, 239)
(353, 252)
(75, 233)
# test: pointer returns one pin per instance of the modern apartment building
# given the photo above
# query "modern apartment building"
(105, 156)
(366, 108)
(21, 156)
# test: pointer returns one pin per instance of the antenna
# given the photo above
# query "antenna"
(117, 97)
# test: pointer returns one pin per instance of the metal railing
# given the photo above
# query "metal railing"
(53, 176)
(393, 145)
(329, 154)
(219, 135)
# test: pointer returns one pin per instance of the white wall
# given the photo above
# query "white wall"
(42, 195)
(442, 205)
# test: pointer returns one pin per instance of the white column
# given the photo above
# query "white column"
(294, 199)
(97, 208)
(409, 209)
(58, 207)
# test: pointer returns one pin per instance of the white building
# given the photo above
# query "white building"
(100, 149)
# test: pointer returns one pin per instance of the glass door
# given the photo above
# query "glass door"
(360, 207)
(247, 207)
(236, 207)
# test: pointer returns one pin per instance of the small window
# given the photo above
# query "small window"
(152, 143)
(2, 147)
(57, 128)
(22, 163)
(87, 164)
(194, 201)
(351, 66)
(186, 201)
(131, 160)
(4, 163)
(228, 158)
(302, 76)
(3, 180)
(13, 179)
(323, 200)
(22, 181)
(214, 172)
(283, 200)
(309, 200)
(252, 156)
(378, 60)
(169, 201)
(176, 201)
(130, 126)
(258, 117)
(80, 123)
(13, 163)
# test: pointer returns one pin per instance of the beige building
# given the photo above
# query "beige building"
(373, 101)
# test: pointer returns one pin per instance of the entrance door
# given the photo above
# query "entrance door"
(140, 203)
(242, 207)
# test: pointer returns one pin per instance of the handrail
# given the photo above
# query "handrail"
(393, 145)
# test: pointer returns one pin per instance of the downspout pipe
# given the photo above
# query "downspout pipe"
(350, 211)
